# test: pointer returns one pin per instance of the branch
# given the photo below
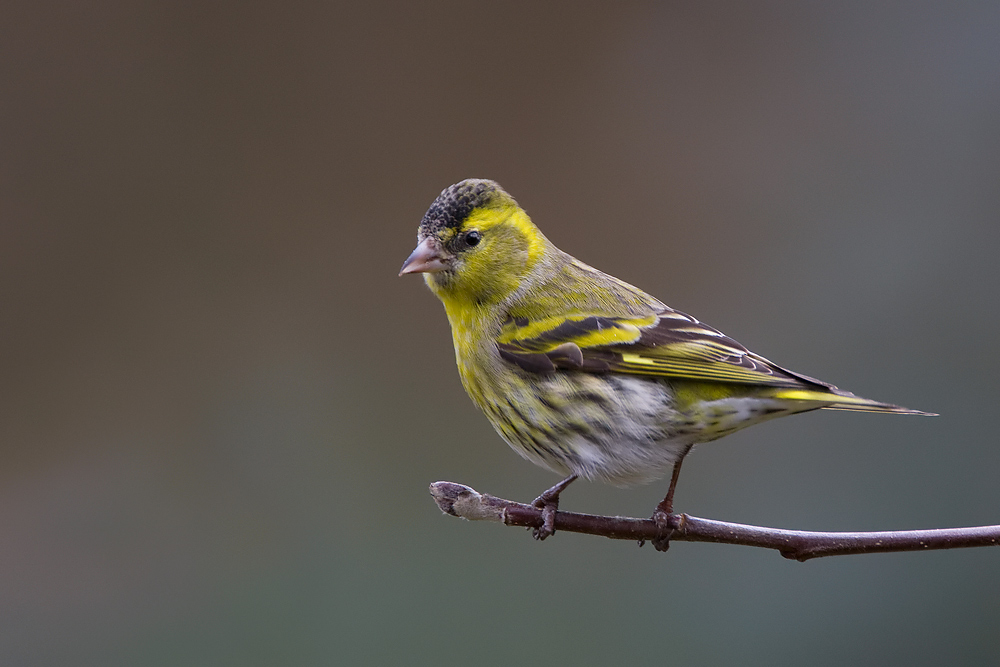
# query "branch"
(462, 501)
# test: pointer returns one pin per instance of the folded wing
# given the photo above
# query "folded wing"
(669, 344)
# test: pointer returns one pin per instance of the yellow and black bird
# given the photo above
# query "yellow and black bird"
(582, 373)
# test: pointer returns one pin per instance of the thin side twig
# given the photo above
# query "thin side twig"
(465, 502)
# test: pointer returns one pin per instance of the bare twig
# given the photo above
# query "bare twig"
(462, 501)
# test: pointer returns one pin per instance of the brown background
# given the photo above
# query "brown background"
(220, 408)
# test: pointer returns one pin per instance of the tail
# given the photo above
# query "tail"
(844, 400)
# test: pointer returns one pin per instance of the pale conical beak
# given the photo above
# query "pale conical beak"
(428, 257)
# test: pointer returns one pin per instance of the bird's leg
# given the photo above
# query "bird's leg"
(666, 505)
(548, 502)
(661, 515)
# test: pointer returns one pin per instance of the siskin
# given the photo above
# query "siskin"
(582, 373)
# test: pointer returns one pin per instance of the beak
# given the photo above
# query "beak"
(428, 257)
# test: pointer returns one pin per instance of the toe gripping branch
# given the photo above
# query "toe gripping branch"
(548, 502)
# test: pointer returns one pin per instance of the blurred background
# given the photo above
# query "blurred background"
(221, 408)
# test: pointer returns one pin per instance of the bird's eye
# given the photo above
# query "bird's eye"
(473, 238)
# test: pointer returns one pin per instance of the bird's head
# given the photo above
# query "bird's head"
(475, 244)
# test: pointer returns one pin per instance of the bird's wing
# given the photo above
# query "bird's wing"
(669, 344)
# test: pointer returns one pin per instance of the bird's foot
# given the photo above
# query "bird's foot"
(548, 526)
(666, 525)
(548, 502)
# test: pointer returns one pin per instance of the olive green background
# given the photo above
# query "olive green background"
(221, 408)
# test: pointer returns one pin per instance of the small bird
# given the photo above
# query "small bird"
(582, 373)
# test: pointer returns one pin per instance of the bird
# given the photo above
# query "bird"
(582, 373)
